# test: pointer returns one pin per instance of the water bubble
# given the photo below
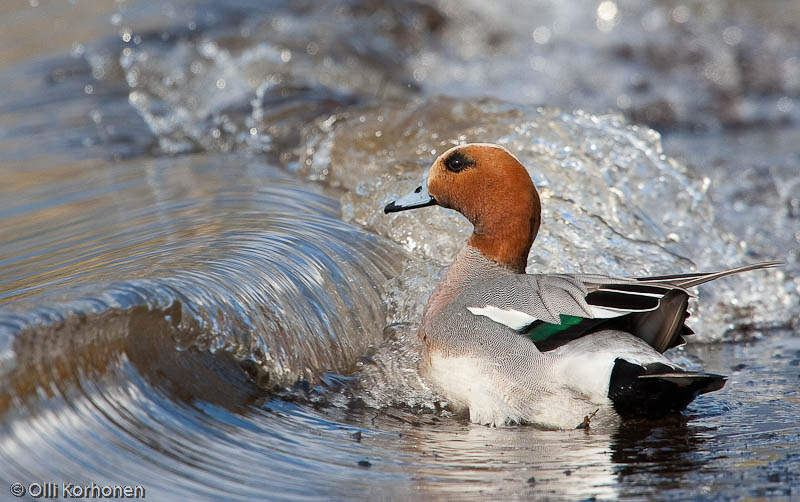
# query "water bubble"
(77, 50)
(209, 49)
(221, 83)
(732, 35)
(680, 14)
(607, 10)
(286, 55)
(541, 35)
(607, 16)
(785, 104)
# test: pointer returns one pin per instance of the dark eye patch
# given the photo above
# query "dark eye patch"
(457, 162)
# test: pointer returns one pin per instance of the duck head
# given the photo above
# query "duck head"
(490, 187)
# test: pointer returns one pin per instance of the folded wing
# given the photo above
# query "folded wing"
(555, 309)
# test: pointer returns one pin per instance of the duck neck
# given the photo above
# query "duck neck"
(509, 250)
(505, 237)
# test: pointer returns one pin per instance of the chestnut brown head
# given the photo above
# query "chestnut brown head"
(489, 186)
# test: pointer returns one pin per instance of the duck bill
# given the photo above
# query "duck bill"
(418, 198)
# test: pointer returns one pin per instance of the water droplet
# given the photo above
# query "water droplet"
(680, 14)
(77, 50)
(785, 104)
(732, 35)
(541, 35)
(607, 10)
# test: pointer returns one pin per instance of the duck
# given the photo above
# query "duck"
(552, 350)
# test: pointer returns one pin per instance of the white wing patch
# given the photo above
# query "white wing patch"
(607, 312)
(517, 320)
(611, 289)
(514, 319)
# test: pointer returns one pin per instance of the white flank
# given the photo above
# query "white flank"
(466, 384)
(586, 373)
(558, 397)
(514, 319)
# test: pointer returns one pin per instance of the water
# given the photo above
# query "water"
(199, 293)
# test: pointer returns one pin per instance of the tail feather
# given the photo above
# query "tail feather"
(731, 271)
(695, 279)
(656, 390)
(662, 327)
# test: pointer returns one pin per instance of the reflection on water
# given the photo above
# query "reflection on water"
(177, 312)
(144, 419)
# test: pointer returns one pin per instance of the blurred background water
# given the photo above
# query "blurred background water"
(200, 294)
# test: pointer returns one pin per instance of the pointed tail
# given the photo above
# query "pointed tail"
(695, 279)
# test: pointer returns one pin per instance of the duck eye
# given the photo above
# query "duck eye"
(457, 162)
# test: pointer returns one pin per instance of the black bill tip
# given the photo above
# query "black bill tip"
(392, 208)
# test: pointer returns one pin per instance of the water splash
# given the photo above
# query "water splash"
(200, 253)
(612, 201)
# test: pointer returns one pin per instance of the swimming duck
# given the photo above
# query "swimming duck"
(550, 350)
